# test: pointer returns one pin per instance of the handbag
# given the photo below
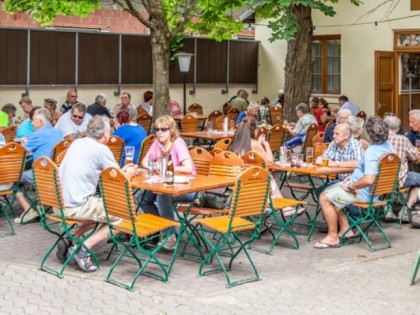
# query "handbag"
(217, 200)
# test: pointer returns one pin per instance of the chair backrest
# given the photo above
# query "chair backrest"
(226, 164)
(60, 147)
(276, 115)
(329, 124)
(362, 115)
(116, 145)
(232, 116)
(145, 120)
(262, 131)
(215, 151)
(318, 138)
(9, 133)
(252, 158)
(141, 111)
(388, 172)
(319, 149)
(233, 110)
(196, 108)
(189, 123)
(47, 183)
(250, 193)
(276, 137)
(223, 143)
(117, 194)
(214, 115)
(145, 146)
(225, 108)
(60, 157)
(364, 144)
(310, 134)
(12, 162)
(201, 158)
(219, 123)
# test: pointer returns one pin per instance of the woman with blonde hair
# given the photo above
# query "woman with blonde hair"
(168, 142)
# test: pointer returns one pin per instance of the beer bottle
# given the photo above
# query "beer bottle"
(170, 171)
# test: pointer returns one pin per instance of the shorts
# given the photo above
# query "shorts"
(92, 209)
(341, 198)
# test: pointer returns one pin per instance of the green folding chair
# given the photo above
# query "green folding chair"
(12, 163)
(49, 193)
(118, 202)
(416, 268)
(250, 195)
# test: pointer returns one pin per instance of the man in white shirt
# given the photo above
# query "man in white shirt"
(74, 121)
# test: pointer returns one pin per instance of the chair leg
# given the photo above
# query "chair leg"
(415, 269)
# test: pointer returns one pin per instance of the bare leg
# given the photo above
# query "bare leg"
(22, 200)
(413, 197)
(331, 218)
(344, 224)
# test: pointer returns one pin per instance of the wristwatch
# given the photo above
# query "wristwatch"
(348, 186)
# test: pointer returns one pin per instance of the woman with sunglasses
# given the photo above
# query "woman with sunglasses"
(168, 142)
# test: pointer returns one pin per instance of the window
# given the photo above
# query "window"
(326, 72)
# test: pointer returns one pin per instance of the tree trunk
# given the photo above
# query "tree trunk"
(298, 69)
(160, 57)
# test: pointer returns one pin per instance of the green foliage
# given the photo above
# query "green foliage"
(176, 45)
(282, 21)
(44, 11)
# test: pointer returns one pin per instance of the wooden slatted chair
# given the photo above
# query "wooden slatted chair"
(201, 159)
(189, 124)
(196, 108)
(277, 205)
(232, 117)
(276, 137)
(276, 115)
(118, 201)
(9, 133)
(144, 148)
(116, 145)
(318, 138)
(233, 110)
(49, 193)
(213, 116)
(60, 157)
(225, 108)
(222, 144)
(261, 131)
(215, 151)
(60, 147)
(12, 163)
(308, 142)
(219, 123)
(385, 185)
(141, 111)
(250, 195)
(145, 120)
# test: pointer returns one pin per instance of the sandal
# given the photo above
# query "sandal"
(289, 211)
(82, 258)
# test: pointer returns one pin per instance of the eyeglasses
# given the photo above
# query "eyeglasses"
(78, 117)
(161, 129)
(73, 95)
(389, 114)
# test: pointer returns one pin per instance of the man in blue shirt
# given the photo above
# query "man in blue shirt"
(345, 104)
(40, 143)
(355, 188)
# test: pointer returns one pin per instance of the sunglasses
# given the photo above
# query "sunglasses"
(76, 116)
(161, 129)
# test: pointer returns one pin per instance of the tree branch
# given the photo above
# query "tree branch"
(189, 5)
(128, 7)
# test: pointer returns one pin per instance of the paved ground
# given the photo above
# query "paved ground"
(349, 280)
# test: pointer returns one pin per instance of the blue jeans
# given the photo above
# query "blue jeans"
(413, 179)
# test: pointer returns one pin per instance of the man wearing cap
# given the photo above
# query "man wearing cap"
(51, 105)
(74, 121)
(99, 107)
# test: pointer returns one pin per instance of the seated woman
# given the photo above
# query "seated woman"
(168, 142)
(244, 141)
(51, 105)
(26, 128)
(131, 132)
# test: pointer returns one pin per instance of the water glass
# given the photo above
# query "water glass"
(293, 160)
(209, 126)
(129, 154)
(299, 161)
(309, 156)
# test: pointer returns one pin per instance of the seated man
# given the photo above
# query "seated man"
(342, 116)
(414, 133)
(85, 159)
(74, 121)
(355, 188)
(252, 110)
(40, 143)
(407, 153)
(299, 130)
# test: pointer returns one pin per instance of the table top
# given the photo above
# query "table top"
(312, 170)
(215, 135)
(198, 116)
(196, 184)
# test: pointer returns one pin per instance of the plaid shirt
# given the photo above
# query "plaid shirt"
(352, 151)
(265, 113)
(406, 151)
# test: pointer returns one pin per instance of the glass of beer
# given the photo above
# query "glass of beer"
(299, 162)
(309, 156)
(129, 154)
(324, 161)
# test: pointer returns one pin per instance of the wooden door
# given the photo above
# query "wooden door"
(385, 88)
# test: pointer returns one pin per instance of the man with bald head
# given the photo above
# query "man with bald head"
(342, 116)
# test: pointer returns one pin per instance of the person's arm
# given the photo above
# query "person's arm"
(365, 181)
(262, 147)
(412, 153)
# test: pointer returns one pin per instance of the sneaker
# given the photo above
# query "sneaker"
(62, 250)
(170, 244)
(390, 217)
(30, 216)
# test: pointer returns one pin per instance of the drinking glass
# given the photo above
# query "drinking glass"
(309, 156)
(129, 154)
(299, 161)
(294, 159)
(324, 161)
